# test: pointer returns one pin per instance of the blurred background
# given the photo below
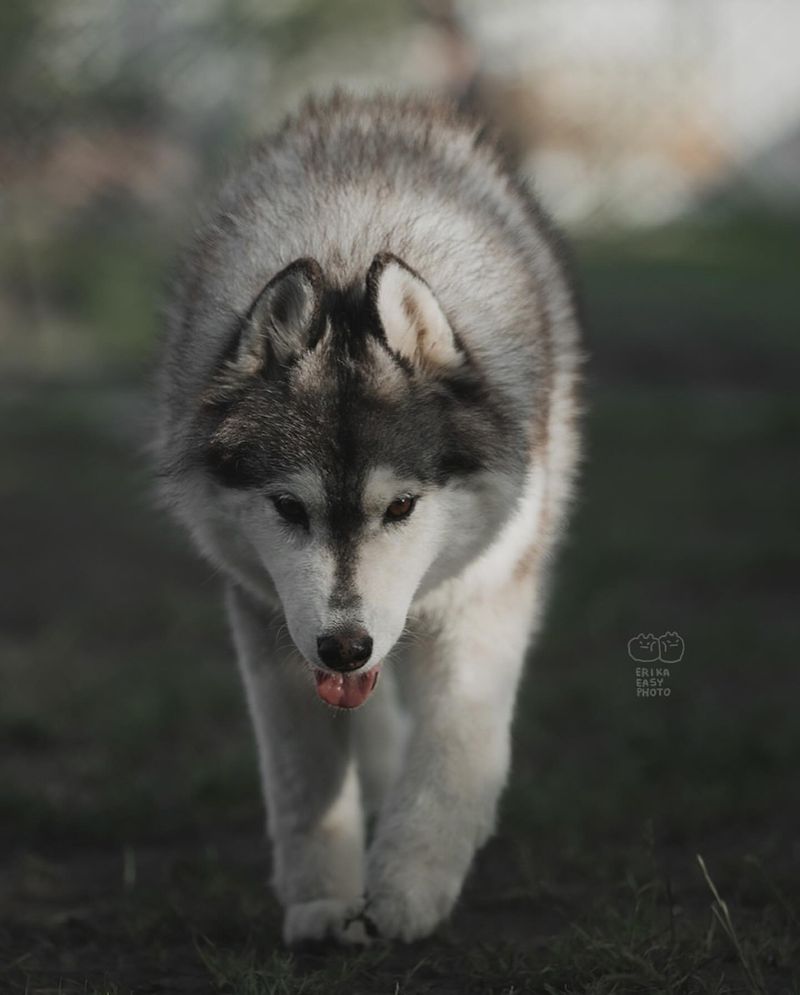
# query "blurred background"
(664, 136)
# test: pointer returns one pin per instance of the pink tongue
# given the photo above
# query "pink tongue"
(346, 690)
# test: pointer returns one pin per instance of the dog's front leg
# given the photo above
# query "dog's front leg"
(463, 685)
(308, 775)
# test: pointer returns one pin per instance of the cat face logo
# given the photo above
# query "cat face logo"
(671, 647)
(647, 648)
(644, 648)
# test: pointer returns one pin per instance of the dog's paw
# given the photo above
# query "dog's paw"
(322, 920)
(413, 911)
(357, 928)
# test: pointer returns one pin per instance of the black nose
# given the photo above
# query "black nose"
(346, 649)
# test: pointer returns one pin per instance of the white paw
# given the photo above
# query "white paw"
(320, 920)
(412, 910)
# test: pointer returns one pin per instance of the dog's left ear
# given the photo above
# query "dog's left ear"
(412, 319)
(282, 319)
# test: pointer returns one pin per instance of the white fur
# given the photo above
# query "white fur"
(452, 596)
(412, 319)
(434, 775)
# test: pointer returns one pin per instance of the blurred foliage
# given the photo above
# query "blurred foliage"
(118, 116)
(126, 62)
(115, 118)
(105, 270)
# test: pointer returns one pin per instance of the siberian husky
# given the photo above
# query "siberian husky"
(367, 422)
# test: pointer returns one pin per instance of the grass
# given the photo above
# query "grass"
(131, 853)
(722, 915)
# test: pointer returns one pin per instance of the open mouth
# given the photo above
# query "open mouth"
(346, 690)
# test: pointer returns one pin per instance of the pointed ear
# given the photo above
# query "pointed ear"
(412, 319)
(282, 319)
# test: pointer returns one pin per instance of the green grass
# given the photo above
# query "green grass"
(131, 853)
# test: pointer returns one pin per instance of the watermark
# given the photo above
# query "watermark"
(653, 681)
(647, 648)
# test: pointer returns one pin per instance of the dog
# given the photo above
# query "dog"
(368, 422)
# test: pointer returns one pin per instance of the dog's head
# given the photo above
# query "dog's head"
(357, 450)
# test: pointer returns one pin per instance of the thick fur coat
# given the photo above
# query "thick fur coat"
(367, 421)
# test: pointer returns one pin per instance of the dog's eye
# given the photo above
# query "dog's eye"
(291, 510)
(400, 508)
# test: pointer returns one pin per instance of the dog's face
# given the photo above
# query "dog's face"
(347, 556)
(355, 449)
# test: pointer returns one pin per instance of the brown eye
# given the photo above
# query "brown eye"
(400, 508)
(291, 510)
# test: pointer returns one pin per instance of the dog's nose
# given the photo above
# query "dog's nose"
(346, 649)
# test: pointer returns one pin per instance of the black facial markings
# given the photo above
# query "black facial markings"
(346, 474)
(341, 425)
(352, 323)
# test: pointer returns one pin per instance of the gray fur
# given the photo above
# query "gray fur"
(346, 180)
(374, 307)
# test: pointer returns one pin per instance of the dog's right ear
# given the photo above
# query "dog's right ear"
(412, 320)
(283, 318)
